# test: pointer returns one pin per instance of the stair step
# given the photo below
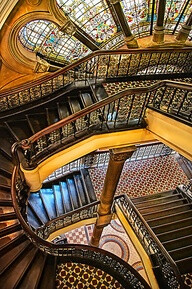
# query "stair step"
(6, 167)
(37, 205)
(31, 279)
(11, 256)
(172, 226)
(32, 219)
(159, 207)
(63, 110)
(86, 99)
(178, 243)
(7, 216)
(170, 218)
(167, 212)
(163, 200)
(10, 229)
(88, 186)
(73, 193)
(58, 200)
(15, 273)
(4, 241)
(6, 202)
(182, 232)
(5, 182)
(153, 196)
(48, 199)
(13, 243)
(82, 193)
(20, 128)
(184, 265)
(74, 105)
(37, 121)
(100, 93)
(48, 270)
(67, 203)
(52, 115)
(6, 141)
(181, 253)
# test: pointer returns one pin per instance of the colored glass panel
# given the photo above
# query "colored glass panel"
(45, 38)
(93, 16)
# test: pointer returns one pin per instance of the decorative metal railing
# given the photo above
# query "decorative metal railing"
(122, 111)
(63, 221)
(101, 159)
(102, 64)
(106, 261)
(167, 268)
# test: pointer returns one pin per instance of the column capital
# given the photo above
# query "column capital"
(121, 154)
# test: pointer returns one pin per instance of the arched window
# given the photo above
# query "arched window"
(93, 16)
(44, 37)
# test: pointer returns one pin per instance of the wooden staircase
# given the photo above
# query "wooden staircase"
(169, 214)
(72, 192)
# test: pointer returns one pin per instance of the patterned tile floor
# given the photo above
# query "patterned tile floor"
(143, 177)
(81, 276)
(138, 178)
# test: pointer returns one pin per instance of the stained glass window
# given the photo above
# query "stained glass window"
(93, 16)
(176, 9)
(45, 38)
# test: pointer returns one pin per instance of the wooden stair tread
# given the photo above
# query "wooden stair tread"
(58, 200)
(152, 196)
(48, 199)
(154, 208)
(48, 270)
(66, 197)
(37, 205)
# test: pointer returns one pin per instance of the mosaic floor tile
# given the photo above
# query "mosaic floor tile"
(78, 276)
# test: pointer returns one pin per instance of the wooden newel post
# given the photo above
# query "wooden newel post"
(115, 166)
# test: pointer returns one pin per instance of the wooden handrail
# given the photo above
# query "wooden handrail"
(25, 144)
(69, 67)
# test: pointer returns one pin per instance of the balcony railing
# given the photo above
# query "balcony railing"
(121, 111)
(102, 64)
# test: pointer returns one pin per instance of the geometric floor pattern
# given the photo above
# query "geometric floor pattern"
(78, 276)
(143, 177)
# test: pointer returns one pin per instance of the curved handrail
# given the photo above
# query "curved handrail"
(84, 60)
(118, 268)
(179, 85)
(156, 241)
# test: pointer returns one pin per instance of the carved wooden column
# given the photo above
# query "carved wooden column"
(71, 29)
(130, 40)
(117, 159)
(158, 35)
(185, 30)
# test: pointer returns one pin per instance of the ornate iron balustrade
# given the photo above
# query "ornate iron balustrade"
(175, 101)
(159, 256)
(120, 111)
(106, 261)
(101, 159)
(87, 212)
(102, 64)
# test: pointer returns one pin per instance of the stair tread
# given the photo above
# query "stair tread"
(181, 253)
(6, 165)
(49, 202)
(176, 224)
(79, 185)
(8, 216)
(14, 274)
(177, 216)
(88, 185)
(58, 200)
(152, 196)
(20, 128)
(7, 259)
(13, 243)
(74, 105)
(163, 205)
(4, 181)
(158, 201)
(32, 219)
(86, 99)
(38, 207)
(73, 192)
(31, 279)
(37, 121)
(63, 110)
(48, 270)
(178, 242)
(10, 229)
(66, 197)
(184, 265)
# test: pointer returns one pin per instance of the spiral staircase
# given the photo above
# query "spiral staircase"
(107, 91)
